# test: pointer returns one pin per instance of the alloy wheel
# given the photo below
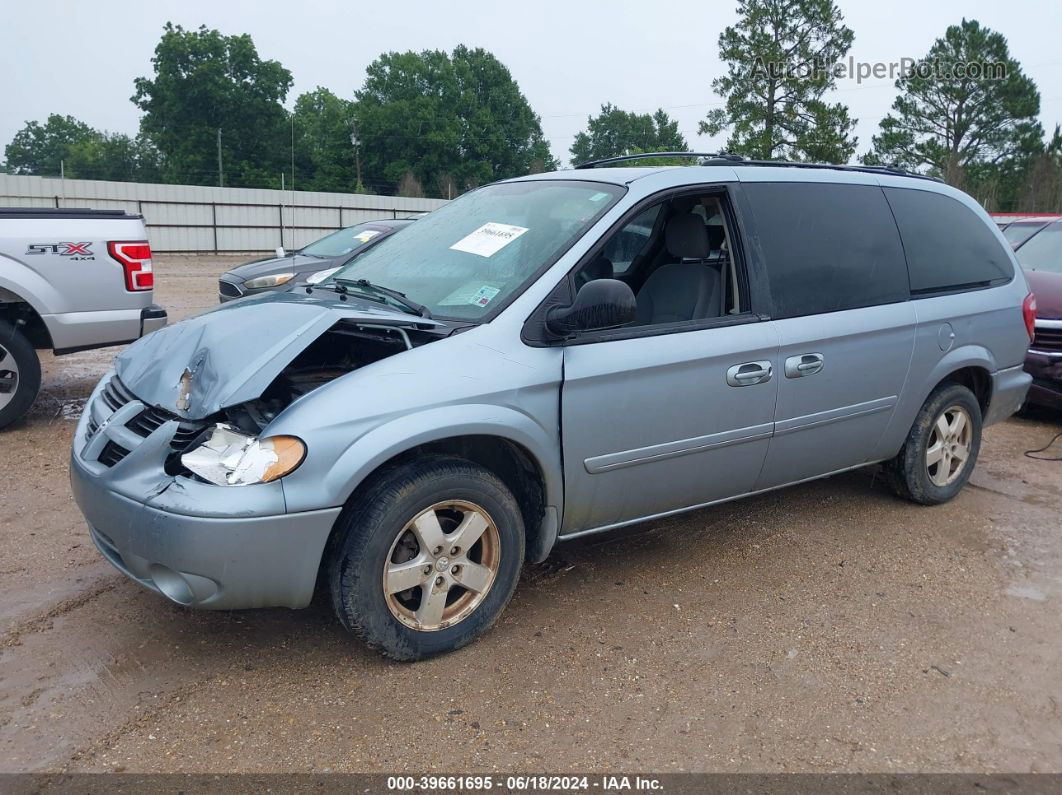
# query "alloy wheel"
(8, 377)
(949, 446)
(441, 565)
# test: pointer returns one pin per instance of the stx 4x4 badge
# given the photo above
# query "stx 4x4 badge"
(75, 251)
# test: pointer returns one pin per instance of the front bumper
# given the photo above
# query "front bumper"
(199, 545)
(1045, 367)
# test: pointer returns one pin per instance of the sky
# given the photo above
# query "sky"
(80, 58)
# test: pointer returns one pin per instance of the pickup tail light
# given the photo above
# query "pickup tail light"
(135, 259)
(1028, 313)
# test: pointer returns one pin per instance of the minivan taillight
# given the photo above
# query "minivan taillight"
(135, 258)
(1028, 313)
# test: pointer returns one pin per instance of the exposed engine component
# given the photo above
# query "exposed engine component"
(342, 349)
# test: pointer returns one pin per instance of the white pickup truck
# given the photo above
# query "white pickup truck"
(70, 280)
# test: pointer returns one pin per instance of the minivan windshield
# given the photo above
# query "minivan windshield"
(1020, 231)
(345, 241)
(1043, 252)
(471, 255)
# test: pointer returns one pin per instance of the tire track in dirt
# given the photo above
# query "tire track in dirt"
(43, 621)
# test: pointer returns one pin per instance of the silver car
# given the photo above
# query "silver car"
(544, 358)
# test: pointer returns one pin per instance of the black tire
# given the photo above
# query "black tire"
(14, 347)
(908, 473)
(371, 527)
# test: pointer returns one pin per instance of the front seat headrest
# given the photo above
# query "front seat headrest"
(716, 236)
(686, 237)
(599, 268)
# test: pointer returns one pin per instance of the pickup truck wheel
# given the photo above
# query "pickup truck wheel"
(941, 448)
(20, 374)
(427, 557)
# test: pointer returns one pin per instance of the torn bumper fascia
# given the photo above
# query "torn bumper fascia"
(200, 545)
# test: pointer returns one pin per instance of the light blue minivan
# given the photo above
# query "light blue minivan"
(544, 358)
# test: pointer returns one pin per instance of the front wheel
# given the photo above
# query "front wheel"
(941, 448)
(427, 558)
(20, 374)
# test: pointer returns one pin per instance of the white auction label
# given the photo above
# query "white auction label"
(489, 239)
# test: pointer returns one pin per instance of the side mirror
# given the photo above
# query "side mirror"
(599, 304)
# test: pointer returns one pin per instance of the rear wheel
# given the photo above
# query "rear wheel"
(427, 558)
(20, 374)
(941, 448)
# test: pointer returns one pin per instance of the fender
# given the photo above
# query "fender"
(400, 434)
(957, 359)
(29, 286)
(910, 403)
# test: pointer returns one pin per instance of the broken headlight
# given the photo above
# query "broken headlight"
(275, 280)
(230, 458)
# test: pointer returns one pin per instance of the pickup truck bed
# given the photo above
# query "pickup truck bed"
(70, 280)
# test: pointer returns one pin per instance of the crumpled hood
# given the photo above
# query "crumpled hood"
(1048, 290)
(230, 354)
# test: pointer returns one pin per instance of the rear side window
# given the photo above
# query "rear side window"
(827, 247)
(948, 246)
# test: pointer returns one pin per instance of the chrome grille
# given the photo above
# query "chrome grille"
(114, 396)
(112, 454)
(1047, 339)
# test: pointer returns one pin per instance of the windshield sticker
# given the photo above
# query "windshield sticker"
(489, 239)
(598, 197)
(470, 293)
(366, 236)
(484, 294)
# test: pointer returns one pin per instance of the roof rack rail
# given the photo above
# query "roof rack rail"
(649, 155)
(725, 159)
(896, 172)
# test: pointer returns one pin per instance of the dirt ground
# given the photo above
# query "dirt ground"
(827, 627)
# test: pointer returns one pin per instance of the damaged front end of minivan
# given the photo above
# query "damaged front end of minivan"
(187, 410)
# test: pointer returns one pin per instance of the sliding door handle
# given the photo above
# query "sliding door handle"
(805, 364)
(749, 373)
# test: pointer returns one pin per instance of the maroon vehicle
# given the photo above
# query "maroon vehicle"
(1041, 257)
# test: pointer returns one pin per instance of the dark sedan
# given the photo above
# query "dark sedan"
(1041, 257)
(279, 273)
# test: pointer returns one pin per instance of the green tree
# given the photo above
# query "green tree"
(1041, 188)
(954, 122)
(456, 119)
(204, 82)
(323, 152)
(616, 132)
(65, 144)
(114, 157)
(780, 60)
(39, 148)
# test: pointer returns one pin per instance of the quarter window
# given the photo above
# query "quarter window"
(827, 247)
(948, 247)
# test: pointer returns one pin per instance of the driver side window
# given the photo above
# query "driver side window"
(676, 256)
(631, 241)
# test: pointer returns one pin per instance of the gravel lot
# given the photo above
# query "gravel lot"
(825, 627)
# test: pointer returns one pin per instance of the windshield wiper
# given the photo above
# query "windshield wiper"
(399, 298)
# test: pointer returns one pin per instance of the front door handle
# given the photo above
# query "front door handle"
(749, 373)
(805, 364)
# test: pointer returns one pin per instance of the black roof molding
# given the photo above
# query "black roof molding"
(725, 159)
